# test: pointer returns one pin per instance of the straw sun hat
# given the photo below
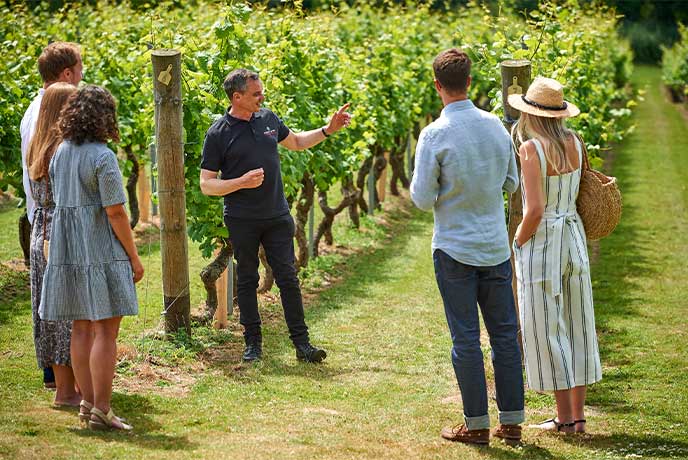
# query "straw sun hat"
(544, 98)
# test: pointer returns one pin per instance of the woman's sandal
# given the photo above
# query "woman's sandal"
(104, 422)
(553, 424)
(85, 408)
(85, 411)
(582, 422)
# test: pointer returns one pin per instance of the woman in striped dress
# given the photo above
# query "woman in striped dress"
(552, 266)
(92, 263)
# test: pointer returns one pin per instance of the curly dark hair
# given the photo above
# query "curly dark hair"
(90, 116)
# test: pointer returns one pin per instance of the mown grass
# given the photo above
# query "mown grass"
(388, 387)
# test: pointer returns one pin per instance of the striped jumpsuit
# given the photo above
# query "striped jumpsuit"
(555, 292)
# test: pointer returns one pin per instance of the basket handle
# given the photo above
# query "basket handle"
(585, 165)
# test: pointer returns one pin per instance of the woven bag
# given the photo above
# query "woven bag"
(598, 202)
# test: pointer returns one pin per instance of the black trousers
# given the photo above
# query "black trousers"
(277, 237)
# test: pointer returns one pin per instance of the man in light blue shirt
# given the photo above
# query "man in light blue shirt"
(464, 162)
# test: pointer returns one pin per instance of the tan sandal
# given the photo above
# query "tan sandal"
(104, 422)
(85, 411)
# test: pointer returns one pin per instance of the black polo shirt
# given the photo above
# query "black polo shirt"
(234, 147)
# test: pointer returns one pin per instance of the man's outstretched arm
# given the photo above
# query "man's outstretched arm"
(307, 139)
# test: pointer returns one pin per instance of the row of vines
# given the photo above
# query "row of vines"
(675, 67)
(379, 59)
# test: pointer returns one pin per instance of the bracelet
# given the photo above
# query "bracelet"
(324, 132)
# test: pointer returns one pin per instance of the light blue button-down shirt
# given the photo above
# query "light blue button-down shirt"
(464, 161)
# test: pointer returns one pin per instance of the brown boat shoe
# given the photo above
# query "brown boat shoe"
(511, 434)
(460, 433)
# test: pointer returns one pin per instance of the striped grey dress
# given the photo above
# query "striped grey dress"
(88, 275)
(555, 292)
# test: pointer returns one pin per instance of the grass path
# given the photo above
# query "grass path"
(388, 386)
(640, 285)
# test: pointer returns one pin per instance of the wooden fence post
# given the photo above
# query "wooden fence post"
(170, 156)
(223, 302)
(371, 188)
(311, 231)
(410, 150)
(153, 182)
(382, 181)
(143, 186)
(515, 80)
(231, 285)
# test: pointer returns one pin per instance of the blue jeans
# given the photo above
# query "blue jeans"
(463, 287)
(48, 375)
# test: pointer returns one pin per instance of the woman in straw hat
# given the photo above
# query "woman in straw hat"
(552, 266)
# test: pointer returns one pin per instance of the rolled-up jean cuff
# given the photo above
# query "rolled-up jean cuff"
(481, 422)
(514, 417)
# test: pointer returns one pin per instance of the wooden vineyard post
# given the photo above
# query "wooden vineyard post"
(371, 188)
(231, 288)
(311, 231)
(382, 181)
(144, 195)
(410, 150)
(515, 80)
(225, 295)
(153, 182)
(172, 202)
(220, 319)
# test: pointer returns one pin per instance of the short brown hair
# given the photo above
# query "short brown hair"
(55, 58)
(452, 69)
(90, 116)
(237, 81)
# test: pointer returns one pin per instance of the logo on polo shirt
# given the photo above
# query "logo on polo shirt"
(270, 132)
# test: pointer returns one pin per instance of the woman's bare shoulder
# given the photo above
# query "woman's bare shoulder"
(527, 151)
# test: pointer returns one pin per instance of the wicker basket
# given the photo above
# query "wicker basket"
(598, 202)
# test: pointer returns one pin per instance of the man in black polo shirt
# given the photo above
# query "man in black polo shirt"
(242, 145)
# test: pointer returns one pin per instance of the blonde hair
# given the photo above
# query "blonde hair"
(553, 131)
(47, 136)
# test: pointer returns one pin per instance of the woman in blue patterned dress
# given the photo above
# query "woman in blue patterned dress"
(93, 263)
(51, 338)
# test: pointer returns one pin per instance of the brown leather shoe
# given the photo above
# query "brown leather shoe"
(460, 433)
(511, 434)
